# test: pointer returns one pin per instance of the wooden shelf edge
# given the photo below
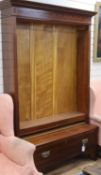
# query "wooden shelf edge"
(63, 133)
(65, 121)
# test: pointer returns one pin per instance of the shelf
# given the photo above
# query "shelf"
(51, 122)
(59, 134)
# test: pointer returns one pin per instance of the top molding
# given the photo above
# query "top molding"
(29, 4)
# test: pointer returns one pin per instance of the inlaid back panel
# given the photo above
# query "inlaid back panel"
(44, 70)
(24, 78)
(65, 75)
(47, 70)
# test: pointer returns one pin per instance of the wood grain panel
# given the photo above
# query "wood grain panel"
(83, 70)
(44, 71)
(8, 28)
(73, 73)
(32, 68)
(65, 81)
(48, 86)
(23, 63)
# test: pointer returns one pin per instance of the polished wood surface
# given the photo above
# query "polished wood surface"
(55, 148)
(26, 5)
(8, 28)
(24, 79)
(83, 65)
(66, 132)
(44, 83)
(50, 62)
(51, 122)
(46, 70)
(65, 86)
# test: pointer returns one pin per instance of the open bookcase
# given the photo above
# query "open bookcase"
(46, 70)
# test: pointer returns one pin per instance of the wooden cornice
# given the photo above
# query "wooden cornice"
(29, 4)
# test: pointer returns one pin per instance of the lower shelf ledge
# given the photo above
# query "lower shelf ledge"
(46, 123)
(62, 133)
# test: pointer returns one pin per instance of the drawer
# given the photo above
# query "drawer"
(49, 152)
(61, 150)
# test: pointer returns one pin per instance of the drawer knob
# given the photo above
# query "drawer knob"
(45, 154)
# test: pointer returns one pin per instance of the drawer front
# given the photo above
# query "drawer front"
(48, 155)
